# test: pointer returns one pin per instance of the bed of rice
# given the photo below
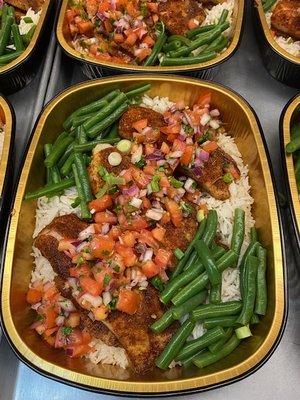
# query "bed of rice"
(287, 43)
(47, 209)
(24, 27)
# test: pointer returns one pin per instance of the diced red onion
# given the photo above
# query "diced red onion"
(36, 306)
(188, 118)
(205, 119)
(73, 283)
(137, 155)
(155, 156)
(154, 214)
(203, 155)
(182, 137)
(148, 255)
(215, 112)
(35, 324)
(60, 320)
(136, 202)
(189, 140)
(214, 124)
(96, 301)
(140, 248)
(143, 192)
(67, 305)
(106, 296)
(197, 171)
(176, 154)
(131, 191)
(69, 351)
(105, 228)
(188, 184)
(102, 16)
(160, 163)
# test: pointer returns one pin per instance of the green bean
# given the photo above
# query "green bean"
(84, 178)
(215, 294)
(201, 281)
(18, 42)
(180, 265)
(157, 282)
(211, 227)
(223, 17)
(174, 61)
(218, 252)
(11, 12)
(261, 284)
(200, 41)
(251, 251)
(208, 358)
(5, 34)
(29, 35)
(7, 58)
(217, 46)
(201, 29)
(293, 145)
(161, 324)
(180, 281)
(113, 132)
(224, 321)
(238, 231)
(4, 15)
(187, 362)
(138, 89)
(189, 305)
(253, 234)
(161, 39)
(268, 5)
(87, 147)
(191, 261)
(180, 38)
(295, 130)
(90, 108)
(193, 346)
(47, 150)
(176, 44)
(54, 172)
(251, 266)
(216, 310)
(85, 212)
(105, 111)
(50, 190)
(57, 151)
(81, 119)
(81, 135)
(67, 166)
(217, 346)
(206, 257)
(108, 121)
(66, 155)
(173, 347)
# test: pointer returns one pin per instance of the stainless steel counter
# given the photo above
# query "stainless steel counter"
(279, 378)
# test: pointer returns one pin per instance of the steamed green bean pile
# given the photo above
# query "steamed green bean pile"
(194, 290)
(66, 159)
(12, 43)
(293, 147)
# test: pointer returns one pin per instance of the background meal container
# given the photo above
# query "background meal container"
(282, 65)
(17, 74)
(8, 116)
(16, 314)
(288, 116)
(93, 68)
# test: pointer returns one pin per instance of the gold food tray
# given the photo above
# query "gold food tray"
(64, 39)
(17, 316)
(288, 116)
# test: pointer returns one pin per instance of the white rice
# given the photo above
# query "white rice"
(47, 209)
(213, 15)
(24, 27)
(287, 43)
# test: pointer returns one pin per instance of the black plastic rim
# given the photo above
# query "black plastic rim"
(150, 394)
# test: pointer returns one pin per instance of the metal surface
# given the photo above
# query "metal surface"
(279, 377)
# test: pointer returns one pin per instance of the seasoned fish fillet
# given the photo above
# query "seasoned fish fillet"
(211, 177)
(176, 14)
(135, 113)
(133, 331)
(26, 4)
(286, 18)
(101, 158)
(68, 227)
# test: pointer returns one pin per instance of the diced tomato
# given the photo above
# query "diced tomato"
(175, 212)
(103, 217)
(50, 331)
(131, 9)
(86, 337)
(101, 204)
(204, 99)
(60, 339)
(100, 313)
(149, 149)
(193, 23)
(118, 38)
(171, 192)
(210, 146)
(79, 271)
(131, 39)
(40, 329)
(155, 18)
(146, 203)
(134, 224)
(164, 182)
(91, 286)
(158, 233)
(85, 28)
(78, 350)
(115, 232)
(108, 26)
(140, 124)
(234, 172)
(50, 293)
(153, 7)
(165, 218)
(163, 258)
(142, 53)
(147, 238)
(50, 340)
(165, 148)
(127, 254)
(102, 246)
(73, 320)
(75, 337)
(93, 49)
(128, 301)
(150, 269)
(104, 5)
(33, 296)
(186, 157)
(128, 238)
(174, 129)
(50, 317)
(127, 175)
(148, 40)
(70, 15)
(149, 169)
(139, 177)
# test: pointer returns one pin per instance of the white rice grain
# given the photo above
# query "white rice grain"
(24, 27)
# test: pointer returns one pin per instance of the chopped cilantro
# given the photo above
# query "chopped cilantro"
(175, 182)
(140, 164)
(113, 303)
(113, 190)
(161, 168)
(187, 208)
(227, 178)
(204, 138)
(80, 261)
(118, 209)
(106, 279)
(188, 129)
(117, 268)
(66, 330)
(106, 252)
(40, 317)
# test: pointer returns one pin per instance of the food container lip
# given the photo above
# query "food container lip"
(288, 165)
(18, 62)
(5, 157)
(228, 53)
(128, 391)
(272, 42)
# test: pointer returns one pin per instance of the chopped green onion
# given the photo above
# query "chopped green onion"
(178, 253)
(200, 215)
(67, 330)
(187, 208)
(175, 182)
(243, 332)
(114, 159)
(155, 183)
(227, 178)
(124, 146)
(27, 20)
(141, 163)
